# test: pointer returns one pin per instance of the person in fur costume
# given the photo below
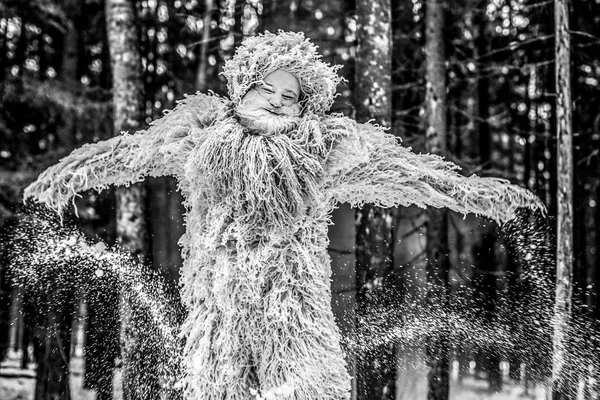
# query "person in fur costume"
(260, 174)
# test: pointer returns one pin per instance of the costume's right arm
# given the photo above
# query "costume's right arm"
(157, 151)
(368, 165)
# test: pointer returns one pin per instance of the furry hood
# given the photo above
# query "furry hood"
(260, 55)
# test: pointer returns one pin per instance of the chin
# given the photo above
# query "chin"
(263, 122)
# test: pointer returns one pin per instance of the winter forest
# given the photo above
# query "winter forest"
(429, 303)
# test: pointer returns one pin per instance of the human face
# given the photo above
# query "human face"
(280, 88)
(278, 94)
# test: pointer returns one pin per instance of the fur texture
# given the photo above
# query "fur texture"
(370, 166)
(127, 158)
(256, 272)
(260, 55)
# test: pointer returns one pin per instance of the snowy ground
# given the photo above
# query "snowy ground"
(18, 384)
(477, 389)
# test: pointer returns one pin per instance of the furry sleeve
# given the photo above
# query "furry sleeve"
(367, 165)
(157, 151)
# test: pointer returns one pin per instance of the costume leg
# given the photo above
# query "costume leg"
(299, 356)
(218, 358)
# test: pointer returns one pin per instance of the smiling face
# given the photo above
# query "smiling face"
(277, 95)
(280, 89)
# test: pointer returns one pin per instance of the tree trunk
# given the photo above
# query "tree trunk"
(438, 262)
(138, 383)
(202, 71)
(102, 343)
(595, 273)
(486, 292)
(342, 235)
(487, 264)
(165, 208)
(376, 372)
(165, 224)
(438, 266)
(564, 200)
(409, 251)
(53, 336)
(7, 299)
(54, 346)
(483, 85)
(177, 228)
(469, 134)
(68, 68)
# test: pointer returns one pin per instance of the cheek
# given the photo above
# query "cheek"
(252, 100)
(293, 111)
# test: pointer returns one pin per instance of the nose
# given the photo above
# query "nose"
(276, 100)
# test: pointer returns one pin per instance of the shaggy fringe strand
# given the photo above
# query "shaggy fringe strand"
(260, 55)
(127, 158)
(256, 272)
(369, 166)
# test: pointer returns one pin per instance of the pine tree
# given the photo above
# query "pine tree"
(438, 262)
(564, 201)
(376, 372)
(131, 223)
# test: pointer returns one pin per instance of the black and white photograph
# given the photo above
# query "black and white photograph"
(299, 200)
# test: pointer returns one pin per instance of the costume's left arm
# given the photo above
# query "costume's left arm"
(370, 166)
(159, 150)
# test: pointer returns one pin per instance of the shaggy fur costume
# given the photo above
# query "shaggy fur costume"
(256, 274)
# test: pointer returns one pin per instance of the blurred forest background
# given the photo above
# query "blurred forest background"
(487, 66)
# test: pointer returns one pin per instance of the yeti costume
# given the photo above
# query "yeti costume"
(256, 274)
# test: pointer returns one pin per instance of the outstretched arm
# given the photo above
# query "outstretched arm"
(128, 158)
(369, 166)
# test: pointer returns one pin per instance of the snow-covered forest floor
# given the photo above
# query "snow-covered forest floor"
(18, 384)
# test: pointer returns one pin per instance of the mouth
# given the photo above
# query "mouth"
(272, 111)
